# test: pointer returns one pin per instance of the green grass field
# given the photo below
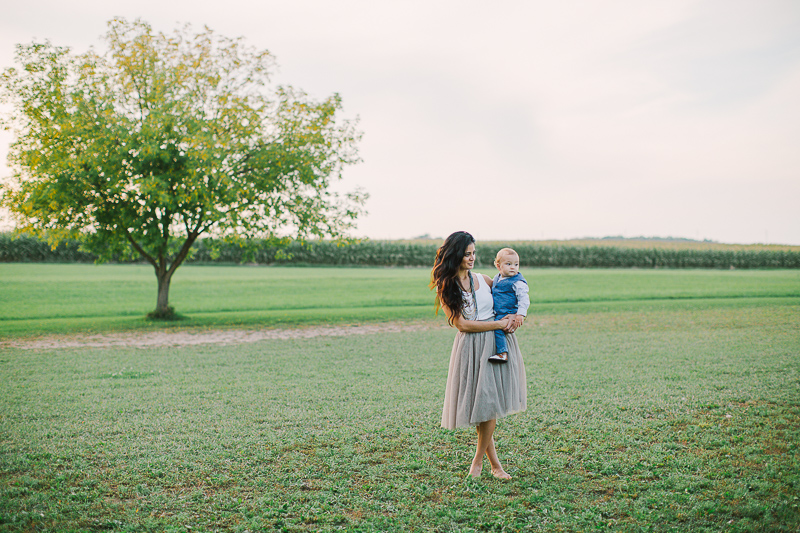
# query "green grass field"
(37, 299)
(657, 401)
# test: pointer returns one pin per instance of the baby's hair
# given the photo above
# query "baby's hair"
(501, 253)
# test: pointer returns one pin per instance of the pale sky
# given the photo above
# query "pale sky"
(526, 119)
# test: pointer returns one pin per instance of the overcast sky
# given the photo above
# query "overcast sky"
(526, 119)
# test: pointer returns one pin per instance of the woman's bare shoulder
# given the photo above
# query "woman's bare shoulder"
(488, 280)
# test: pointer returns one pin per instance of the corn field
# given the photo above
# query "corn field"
(409, 254)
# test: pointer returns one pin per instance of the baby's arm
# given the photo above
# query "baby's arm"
(523, 302)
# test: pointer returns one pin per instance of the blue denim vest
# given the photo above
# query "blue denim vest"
(505, 299)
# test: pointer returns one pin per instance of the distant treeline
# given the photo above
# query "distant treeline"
(23, 249)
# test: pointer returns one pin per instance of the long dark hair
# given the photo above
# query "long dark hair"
(445, 270)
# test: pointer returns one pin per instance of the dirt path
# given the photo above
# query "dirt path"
(150, 339)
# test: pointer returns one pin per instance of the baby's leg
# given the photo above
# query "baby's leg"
(501, 347)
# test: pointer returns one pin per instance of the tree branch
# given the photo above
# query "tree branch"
(150, 259)
(187, 245)
(134, 81)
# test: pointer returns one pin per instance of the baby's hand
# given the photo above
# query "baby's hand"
(517, 320)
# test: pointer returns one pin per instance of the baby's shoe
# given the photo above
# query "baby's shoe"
(499, 358)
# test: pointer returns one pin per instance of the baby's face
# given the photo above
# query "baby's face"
(508, 265)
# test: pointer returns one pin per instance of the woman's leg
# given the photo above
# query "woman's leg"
(497, 468)
(486, 447)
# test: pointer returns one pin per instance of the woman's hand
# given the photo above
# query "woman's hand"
(514, 321)
(504, 323)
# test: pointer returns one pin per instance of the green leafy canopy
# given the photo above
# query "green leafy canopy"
(166, 137)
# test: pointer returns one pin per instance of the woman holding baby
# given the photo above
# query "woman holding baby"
(478, 392)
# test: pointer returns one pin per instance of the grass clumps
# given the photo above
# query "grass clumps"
(667, 419)
(165, 315)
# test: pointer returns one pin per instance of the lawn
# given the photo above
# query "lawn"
(38, 299)
(673, 407)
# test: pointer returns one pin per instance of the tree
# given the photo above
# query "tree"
(165, 138)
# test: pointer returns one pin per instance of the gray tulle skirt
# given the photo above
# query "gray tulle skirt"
(478, 390)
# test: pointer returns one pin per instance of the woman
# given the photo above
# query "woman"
(477, 392)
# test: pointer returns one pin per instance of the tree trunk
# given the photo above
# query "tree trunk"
(162, 304)
(163, 310)
(164, 276)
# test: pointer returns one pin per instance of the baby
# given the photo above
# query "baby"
(510, 294)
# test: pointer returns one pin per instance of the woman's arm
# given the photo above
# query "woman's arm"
(475, 326)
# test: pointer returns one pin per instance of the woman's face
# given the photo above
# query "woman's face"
(469, 258)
